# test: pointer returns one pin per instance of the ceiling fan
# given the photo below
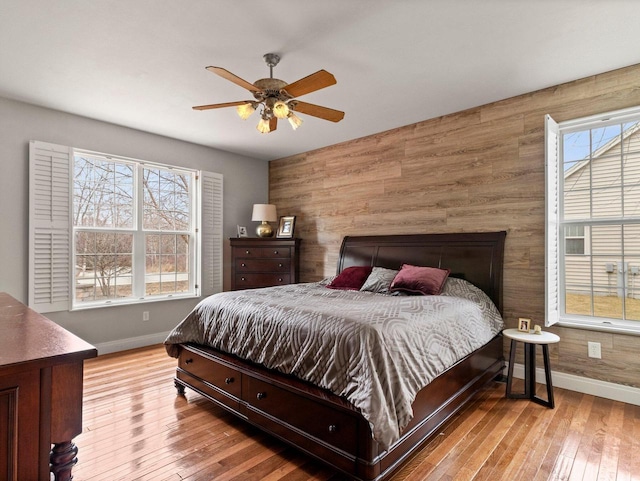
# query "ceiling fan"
(277, 98)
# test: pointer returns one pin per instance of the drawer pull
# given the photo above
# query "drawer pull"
(275, 252)
(333, 428)
(243, 264)
(243, 279)
(247, 252)
(280, 279)
(188, 361)
(228, 380)
(279, 265)
(261, 395)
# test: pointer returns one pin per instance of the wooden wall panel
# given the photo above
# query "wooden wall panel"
(477, 170)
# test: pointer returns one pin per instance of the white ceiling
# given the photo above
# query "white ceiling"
(141, 63)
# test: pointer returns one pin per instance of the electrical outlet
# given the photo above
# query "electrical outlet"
(594, 350)
(145, 315)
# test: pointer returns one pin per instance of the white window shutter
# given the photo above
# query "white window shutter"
(552, 242)
(211, 247)
(49, 227)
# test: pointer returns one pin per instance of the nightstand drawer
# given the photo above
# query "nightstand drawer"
(261, 252)
(276, 252)
(253, 280)
(263, 265)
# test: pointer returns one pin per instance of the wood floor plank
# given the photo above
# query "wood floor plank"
(611, 444)
(567, 400)
(157, 449)
(136, 427)
(538, 453)
(632, 446)
(516, 412)
(536, 424)
(569, 448)
(469, 456)
(586, 460)
(435, 458)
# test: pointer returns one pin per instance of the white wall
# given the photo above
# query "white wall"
(245, 183)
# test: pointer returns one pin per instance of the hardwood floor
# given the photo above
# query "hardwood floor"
(135, 428)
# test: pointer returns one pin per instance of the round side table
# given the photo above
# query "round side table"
(530, 341)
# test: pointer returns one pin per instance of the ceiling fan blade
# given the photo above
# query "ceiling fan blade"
(224, 73)
(273, 124)
(311, 83)
(318, 111)
(219, 106)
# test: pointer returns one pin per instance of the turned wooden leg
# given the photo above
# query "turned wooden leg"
(179, 387)
(62, 460)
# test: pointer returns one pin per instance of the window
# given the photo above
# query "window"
(574, 239)
(107, 230)
(593, 221)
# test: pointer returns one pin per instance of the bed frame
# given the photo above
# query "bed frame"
(328, 427)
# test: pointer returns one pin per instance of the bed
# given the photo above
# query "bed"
(296, 401)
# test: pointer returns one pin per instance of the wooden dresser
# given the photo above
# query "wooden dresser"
(40, 394)
(259, 262)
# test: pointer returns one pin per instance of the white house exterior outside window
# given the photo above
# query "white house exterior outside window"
(107, 230)
(593, 221)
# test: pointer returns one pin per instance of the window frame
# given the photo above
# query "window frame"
(139, 233)
(555, 238)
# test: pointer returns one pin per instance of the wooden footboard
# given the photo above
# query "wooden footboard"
(319, 422)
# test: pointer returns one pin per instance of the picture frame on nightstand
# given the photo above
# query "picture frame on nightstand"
(524, 324)
(286, 226)
(242, 231)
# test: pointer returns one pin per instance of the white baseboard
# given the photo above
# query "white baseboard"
(131, 343)
(609, 390)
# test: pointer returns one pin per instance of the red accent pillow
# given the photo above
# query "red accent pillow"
(351, 278)
(420, 280)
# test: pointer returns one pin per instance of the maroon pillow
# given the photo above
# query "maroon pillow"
(420, 280)
(351, 278)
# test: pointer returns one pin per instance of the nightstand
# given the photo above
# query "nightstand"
(259, 262)
(530, 341)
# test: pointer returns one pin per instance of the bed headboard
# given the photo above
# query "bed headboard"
(476, 257)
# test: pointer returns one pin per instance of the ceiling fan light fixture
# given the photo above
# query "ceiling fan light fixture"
(281, 109)
(294, 120)
(263, 126)
(245, 110)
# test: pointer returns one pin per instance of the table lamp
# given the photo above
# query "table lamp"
(264, 213)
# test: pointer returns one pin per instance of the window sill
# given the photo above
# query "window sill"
(612, 326)
(132, 302)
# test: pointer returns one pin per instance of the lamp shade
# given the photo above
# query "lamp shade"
(264, 212)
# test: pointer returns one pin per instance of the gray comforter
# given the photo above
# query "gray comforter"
(375, 350)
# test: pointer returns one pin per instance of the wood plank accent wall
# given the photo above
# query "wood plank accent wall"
(477, 170)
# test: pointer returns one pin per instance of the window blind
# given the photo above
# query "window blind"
(49, 227)
(552, 243)
(211, 237)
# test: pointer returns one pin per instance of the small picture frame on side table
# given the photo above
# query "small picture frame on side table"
(524, 324)
(286, 226)
(242, 231)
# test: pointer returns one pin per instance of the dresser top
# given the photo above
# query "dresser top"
(27, 337)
